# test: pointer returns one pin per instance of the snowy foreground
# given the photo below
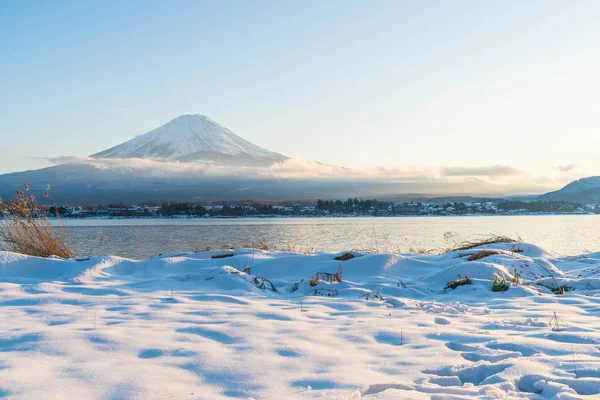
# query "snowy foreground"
(192, 326)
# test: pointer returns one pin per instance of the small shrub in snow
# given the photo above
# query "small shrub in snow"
(517, 278)
(263, 283)
(516, 249)
(345, 257)
(459, 282)
(373, 295)
(499, 285)
(561, 289)
(296, 285)
(247, 270)
(554, 322)
(327, 277)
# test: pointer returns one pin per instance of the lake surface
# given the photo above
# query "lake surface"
(143, 238)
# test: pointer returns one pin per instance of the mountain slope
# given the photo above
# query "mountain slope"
(193, 138)
(585, 191)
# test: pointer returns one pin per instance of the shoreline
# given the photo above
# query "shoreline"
(340, 216)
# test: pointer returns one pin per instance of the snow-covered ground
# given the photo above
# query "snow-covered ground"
(192, 326)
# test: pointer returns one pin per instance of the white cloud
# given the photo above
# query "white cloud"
(491, 180)
(565, 168)
(491, 171)
(291, 168)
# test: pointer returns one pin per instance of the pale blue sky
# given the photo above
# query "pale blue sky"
(447, 83)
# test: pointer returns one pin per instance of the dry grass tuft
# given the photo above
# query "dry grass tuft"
(26, 229)
(462, 244)
(327, 277)
(295, 249)
(261, 246)
(225, 255)
(263, 283)
(459, 282)
(256, 246)
(373, 295)
(499, 285)
(483, 254)
(420, 250)
(345, 257)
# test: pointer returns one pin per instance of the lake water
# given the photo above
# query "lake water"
(143, 238)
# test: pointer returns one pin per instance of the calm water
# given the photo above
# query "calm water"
(571, 234)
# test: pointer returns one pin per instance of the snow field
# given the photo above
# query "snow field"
(188, 325)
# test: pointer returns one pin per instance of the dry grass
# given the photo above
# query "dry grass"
(373, 295)
(203, 248)
(462, 244)
(225, 255)
(420, 250)
(327, 277)
(259, 246)
(345, 257)
(263, 283)
(256, 246)
(459, 282)
(26, 229)
(499, 285)
(296, 249)
(382, 250)
(483, 254)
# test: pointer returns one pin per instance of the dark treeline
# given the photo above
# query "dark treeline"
(541, 206)
(323, 207)
(351, 206)
(220, 211)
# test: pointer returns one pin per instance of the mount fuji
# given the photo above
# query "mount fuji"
(190, 138)
(193, 158)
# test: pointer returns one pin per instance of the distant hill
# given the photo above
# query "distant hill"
(584, 191)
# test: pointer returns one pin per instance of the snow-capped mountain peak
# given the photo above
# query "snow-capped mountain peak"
(193, 137)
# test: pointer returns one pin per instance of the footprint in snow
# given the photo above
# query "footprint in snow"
(476, 375)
